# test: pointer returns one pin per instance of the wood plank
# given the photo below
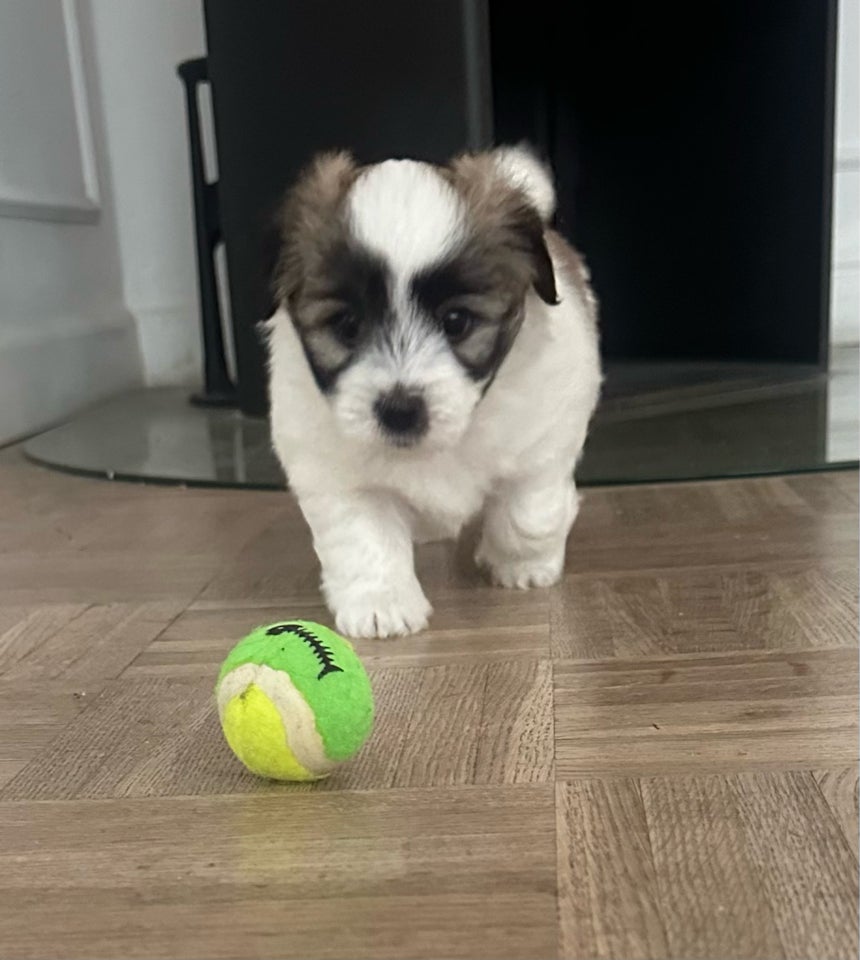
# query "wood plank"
(24, 628)
(700, 713)
(783, 607)
(691, 685)
(733, 524)
(103, 578)
(389, 874)
(707, 881)
(9, 769)
(442, 725)
(457, 724)
(494, 625)
(98, 642)
(836, 492)
(515, 741)
(751, 866)
(607, 892)
(32, 713)
(840, 789)
(807, 869)
(126, 743)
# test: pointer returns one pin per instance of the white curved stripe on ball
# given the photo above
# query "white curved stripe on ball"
(297, 717)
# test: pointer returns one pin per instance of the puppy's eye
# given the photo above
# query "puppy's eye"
(457, 324)
(346, 327)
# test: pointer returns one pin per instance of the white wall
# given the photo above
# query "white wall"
(845, 309)
(98, 286)
(138, 44)
(66, 338)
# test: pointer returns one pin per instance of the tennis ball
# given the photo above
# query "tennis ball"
(294, 701)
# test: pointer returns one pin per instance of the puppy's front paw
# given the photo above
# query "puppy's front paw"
(521, 573)
(382, 613)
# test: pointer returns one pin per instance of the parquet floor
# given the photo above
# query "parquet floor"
(657, 758)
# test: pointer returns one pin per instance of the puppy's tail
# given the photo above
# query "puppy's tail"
(520, 167)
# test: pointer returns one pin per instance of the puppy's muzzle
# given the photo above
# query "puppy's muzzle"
(402, 414)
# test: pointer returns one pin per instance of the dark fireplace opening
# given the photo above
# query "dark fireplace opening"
(692, 146)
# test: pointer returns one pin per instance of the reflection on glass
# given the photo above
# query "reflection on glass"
(656, 422)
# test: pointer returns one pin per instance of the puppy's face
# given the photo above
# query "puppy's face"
(407, 284)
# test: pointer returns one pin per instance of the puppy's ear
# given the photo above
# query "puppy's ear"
(511, 198)
(308, 218)
(520, 168)
(543, 279)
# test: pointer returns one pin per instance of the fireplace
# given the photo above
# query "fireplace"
(692, 145)
(693, 153)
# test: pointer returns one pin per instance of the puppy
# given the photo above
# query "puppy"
(434, 356)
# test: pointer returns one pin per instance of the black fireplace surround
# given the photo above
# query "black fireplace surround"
(692, 145)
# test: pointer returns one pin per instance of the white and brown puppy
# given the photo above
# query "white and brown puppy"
(434, 357)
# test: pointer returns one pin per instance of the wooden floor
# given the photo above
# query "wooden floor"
(655, 759)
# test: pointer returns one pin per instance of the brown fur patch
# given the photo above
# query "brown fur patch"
(505, 251)
(507, 230)
(312, 222)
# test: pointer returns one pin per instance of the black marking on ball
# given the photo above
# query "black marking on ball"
(318, 648)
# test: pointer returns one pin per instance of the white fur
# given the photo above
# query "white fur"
(510, 453)
(522, 168)
(377, 204)
(403, 211)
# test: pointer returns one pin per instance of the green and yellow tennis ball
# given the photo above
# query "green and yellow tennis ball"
(294, 701)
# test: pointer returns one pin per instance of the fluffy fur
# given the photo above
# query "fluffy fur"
(434, 357)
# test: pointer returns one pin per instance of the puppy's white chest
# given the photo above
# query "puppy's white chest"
(441, 494)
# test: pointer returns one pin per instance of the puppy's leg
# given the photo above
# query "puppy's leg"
(364, 544)
(525, 528)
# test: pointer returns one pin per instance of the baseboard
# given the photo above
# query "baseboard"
(52, 369)
(845, 306)
(169, 339)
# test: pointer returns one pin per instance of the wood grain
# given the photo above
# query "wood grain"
(492, 625)
(607, 890)
(784, 607)
(700, 713)
(706, 878)
(32, 713)
(840, 789)
(438, 726)
(291, 875)
(96, 642)
(23, 628)
(655, 758)
(805, 867)
(728, 524)
(9, 768)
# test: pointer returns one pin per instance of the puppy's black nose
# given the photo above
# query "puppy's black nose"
(402, 414)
